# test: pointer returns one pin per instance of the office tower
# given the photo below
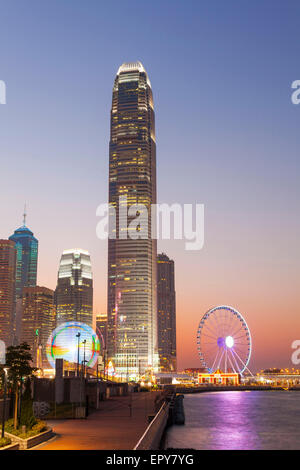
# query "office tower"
(38, 321)
(101, 328)
(166, 313)
(27, 255)
(7, 290)
(26, 270)
(132, 310)
(74, 291)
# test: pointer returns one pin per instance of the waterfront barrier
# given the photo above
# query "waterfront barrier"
(179, 417)
(176, 410)
(152, 437)
(171, 412)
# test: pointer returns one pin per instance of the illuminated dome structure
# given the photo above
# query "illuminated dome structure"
(224, 341)
(64, 341)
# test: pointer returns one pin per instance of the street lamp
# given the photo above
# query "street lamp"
(105, 365)
(78, 342)
(84, 343)
(4, 401)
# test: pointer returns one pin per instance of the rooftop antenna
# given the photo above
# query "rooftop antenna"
(24, 215)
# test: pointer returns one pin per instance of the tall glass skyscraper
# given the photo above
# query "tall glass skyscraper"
(27, 256)
(132, 311)
(26, 269)
(74, 291)
(166, 313)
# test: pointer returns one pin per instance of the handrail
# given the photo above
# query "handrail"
(163, 406)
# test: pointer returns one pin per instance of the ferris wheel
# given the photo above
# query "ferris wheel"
(224, 341)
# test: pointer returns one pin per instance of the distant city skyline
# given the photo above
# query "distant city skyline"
(227, 137)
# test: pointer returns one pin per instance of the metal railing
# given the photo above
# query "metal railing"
(151, 438)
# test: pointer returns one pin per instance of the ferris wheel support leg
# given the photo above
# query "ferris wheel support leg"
(219, 363)
(245, 367)
(233, 368)
(212, 367)
(234, 360)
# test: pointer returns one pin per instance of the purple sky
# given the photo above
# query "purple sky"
(227, 137)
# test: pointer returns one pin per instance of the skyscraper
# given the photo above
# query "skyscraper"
(101, 328)
(26, 270)
(74, 291)
(132, 310)
(27, 255)
(7, 290)
(38, 321)
(166, 313)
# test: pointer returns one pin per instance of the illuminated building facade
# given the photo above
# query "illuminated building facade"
(132, 310)
(27, 256)
(74, 291)
(26, 270)
(166, 313)
(219, 378)
(38, 321)
(101, 328)
(7, 290)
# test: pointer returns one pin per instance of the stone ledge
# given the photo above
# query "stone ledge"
(31, 441)
(13, 446)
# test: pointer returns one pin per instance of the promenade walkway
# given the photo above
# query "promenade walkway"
(113, 426)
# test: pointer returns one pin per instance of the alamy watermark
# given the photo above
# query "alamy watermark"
(296, 354)
(2, 92)
(165, 222)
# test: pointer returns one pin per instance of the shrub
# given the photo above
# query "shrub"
(5, 442)
(9, 425)
(39, 427)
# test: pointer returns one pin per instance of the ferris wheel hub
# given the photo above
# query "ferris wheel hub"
(229, 341)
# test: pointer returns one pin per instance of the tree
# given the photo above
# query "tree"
(27, 417)
(18, 362)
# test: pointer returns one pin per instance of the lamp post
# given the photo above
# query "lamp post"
(78, 342)
(4, 402)
(84, 343)
(105, 365)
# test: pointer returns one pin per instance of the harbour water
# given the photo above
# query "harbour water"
(238, 420)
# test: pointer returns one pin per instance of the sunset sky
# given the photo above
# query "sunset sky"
(227, 137)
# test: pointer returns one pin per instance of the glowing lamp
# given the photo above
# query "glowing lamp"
(229, 341)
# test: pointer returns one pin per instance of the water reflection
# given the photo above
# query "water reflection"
(239, 420)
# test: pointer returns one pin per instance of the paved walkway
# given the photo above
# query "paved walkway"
(111, 427)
